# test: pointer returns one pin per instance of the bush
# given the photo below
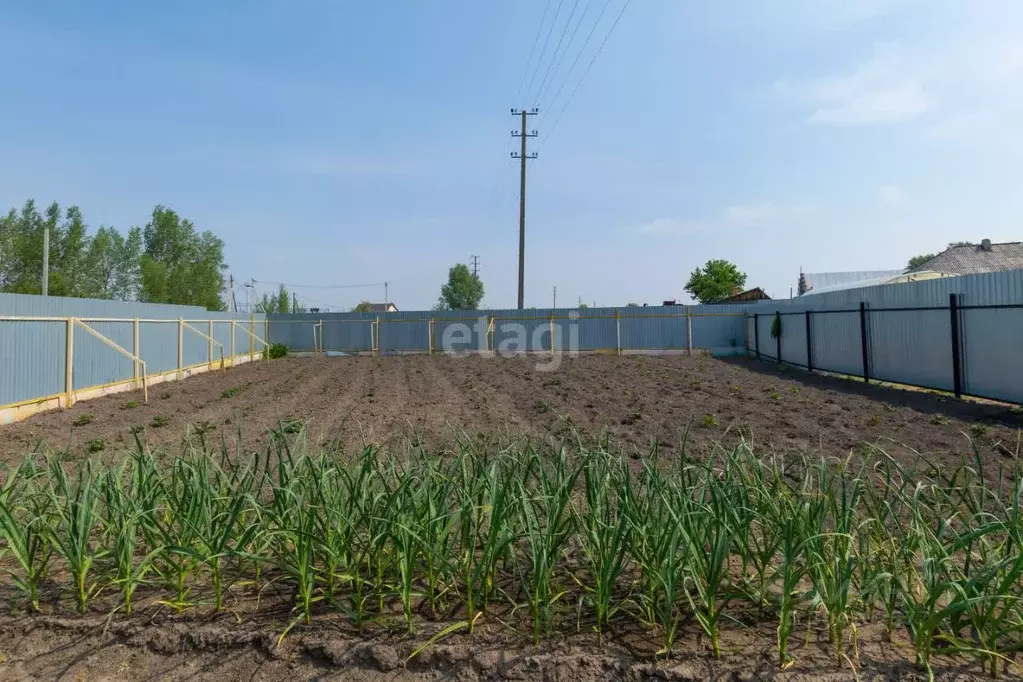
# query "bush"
(275, 351)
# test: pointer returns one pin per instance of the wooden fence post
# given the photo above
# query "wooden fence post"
(135, 348)
(69, 364)
(181, 346)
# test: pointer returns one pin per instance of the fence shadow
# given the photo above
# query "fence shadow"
(920, 399)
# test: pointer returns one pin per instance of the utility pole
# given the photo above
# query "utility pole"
(385, 295)
(234, 303)
(46, 260)
(554, 303)
(294, 303)
(523, 156)
(475, 265)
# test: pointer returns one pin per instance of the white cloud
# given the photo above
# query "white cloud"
(885, 89)
(736, 216)
(891, 195)
(669, 226)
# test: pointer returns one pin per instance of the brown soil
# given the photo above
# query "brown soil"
(242, 644)
(636, 400)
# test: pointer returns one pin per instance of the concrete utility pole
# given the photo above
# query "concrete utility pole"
(385, 295)
(554, 304)
(294, 303)
(234, 303)
(523, 156)
(46, 260)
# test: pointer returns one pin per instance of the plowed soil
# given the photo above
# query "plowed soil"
(637, 401)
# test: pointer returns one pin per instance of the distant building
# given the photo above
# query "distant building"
(755, 294)
(382, 308)
(975, 259)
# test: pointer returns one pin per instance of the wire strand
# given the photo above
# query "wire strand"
(568, 48)
(532, 50)
(543, 52)
(554, 126)
(557, 50)
(582, 50)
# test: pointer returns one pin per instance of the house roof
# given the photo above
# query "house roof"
(976, 259)
(819, 282)
(382, 308)
(754, 294)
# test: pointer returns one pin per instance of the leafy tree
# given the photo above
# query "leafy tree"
(715, 281)
(631, 305)
(180, 265)
(583, 306)
(277, 303)
(463, 290)
(362, 307)
(917, 261)
(177, 266)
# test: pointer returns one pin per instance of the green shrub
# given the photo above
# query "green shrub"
(95, 445)
(275, 351)
(130, 405)
(776, 327)
(82, 419)
(158, 421)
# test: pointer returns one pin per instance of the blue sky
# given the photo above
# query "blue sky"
(335, 143)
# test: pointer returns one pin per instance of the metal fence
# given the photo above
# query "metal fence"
(56, 351)
(623, 330)
(957, 334)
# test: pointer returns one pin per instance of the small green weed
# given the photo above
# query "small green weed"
(542, 406)
(939, 419)
(159, 421)
(874, 420)
(83, 419)
(275, 351)
(165, 395)
(95, 445)
(978, 430)
(232, 392)
(292, 426)
(709, 421)
(774, 395)
(130, 405)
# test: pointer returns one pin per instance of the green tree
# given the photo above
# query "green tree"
(715, 281)
(583, 306)
(279, 302)
(362, 307)
(179, 265)
(631, 305)
(463, 290)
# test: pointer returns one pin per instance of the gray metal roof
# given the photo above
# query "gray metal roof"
(834, 281)
(974, 260)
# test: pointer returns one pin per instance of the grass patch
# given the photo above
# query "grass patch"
(83, 419)
(95, 445)
(159, 421)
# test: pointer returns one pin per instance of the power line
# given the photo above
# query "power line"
(582, 50)
(568, 48)
(532, 50)
(546, 42)
(557, 50)
(586, 73)
(322, 286)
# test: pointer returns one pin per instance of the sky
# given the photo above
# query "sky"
(348, 143)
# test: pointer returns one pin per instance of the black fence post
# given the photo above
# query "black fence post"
(756, 334)
(863, 342)
(777, 319)
(809, 344)
(957, 370)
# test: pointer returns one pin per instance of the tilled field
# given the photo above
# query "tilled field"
(638, 401)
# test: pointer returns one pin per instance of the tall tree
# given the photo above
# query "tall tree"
(362, 307)
(715, 281)
(179, 265)
(463, 290)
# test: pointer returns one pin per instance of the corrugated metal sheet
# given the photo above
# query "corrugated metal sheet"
(992, 348)
(31, 360)
(33, 352)
(635, 328)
